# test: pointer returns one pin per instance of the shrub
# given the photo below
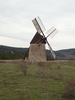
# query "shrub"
(23, 67)
(58, 66)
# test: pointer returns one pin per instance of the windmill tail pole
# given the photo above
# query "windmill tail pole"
(26, 53)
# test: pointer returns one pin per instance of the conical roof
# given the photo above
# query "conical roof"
(38, 38)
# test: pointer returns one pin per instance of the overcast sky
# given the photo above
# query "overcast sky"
(17, 29)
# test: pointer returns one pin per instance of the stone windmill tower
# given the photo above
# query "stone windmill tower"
(37, 50)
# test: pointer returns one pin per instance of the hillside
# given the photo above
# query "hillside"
(66, 54)
(5, 53)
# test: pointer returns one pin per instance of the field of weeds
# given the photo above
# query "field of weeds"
(37, 81)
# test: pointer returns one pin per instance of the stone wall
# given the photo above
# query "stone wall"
(37, 52)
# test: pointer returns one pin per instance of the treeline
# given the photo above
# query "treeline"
(11, 56)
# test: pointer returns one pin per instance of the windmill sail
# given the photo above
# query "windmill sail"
(54, 56)
(51, 32)
(38, 25)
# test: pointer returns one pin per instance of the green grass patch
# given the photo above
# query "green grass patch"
(42, 81)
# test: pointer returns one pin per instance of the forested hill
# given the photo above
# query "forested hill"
(7, 52)
(19, 53)
(66, 54)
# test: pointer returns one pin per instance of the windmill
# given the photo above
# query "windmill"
(37, 50)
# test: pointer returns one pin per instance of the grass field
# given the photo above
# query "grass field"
(37, 81)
